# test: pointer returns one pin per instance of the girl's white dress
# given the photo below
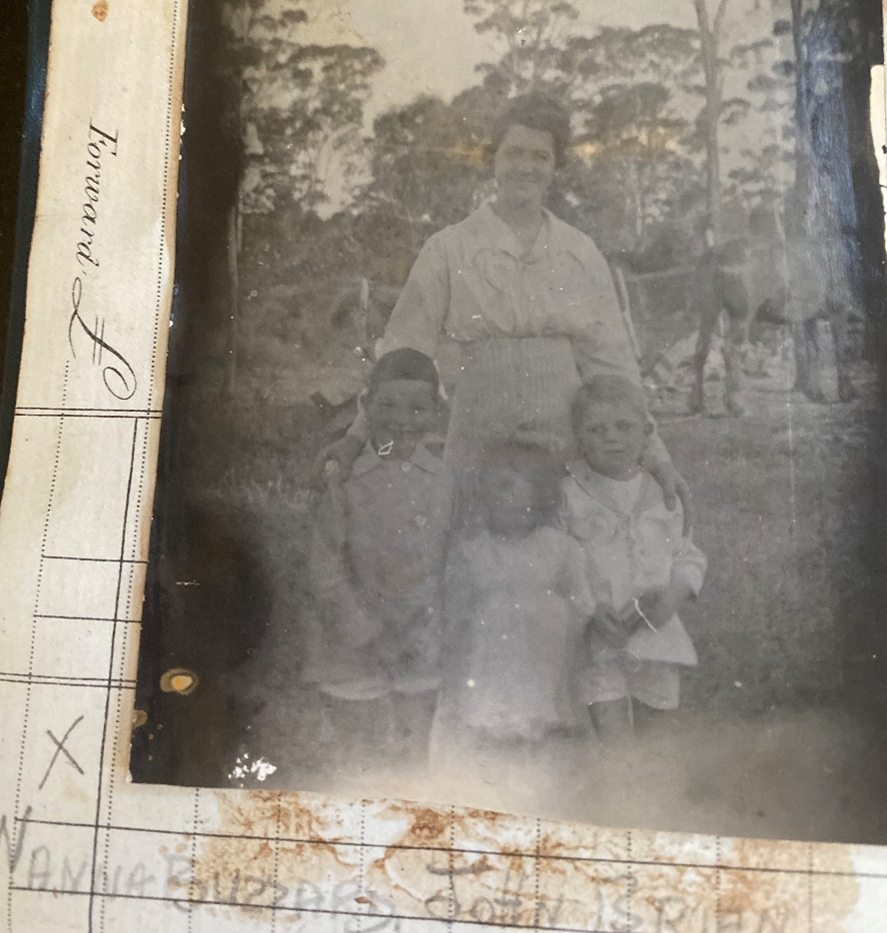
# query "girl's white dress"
(517, 610)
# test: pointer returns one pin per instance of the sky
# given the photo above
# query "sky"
(430, 46)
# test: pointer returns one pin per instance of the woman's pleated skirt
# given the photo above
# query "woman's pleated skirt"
(512, 388)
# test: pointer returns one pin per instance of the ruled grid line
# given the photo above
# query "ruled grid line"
(65, 411)
(59, 618)
(50, 678)
(801, 871)
(114, 684)
(278, 814)
(97, 415)
(94, 560)
(451, 864)
(192, 886)
(29, 682)
(111, 660)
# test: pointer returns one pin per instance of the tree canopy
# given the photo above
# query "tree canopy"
(671, 125)
(300, 104)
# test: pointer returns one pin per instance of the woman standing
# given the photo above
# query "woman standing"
(529, 300)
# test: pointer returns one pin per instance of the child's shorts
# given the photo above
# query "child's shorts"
(654, 683)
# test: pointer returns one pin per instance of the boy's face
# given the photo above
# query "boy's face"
(510, 499)
(400, 413)
(612, 437)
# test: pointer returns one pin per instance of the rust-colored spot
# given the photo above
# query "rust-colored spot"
(240, 867)
(748, 890)
(252, 814)
(100, 10)
(363, 899)
(179, 680)
(428, 825)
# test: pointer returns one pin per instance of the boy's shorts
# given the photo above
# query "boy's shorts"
(654, 683)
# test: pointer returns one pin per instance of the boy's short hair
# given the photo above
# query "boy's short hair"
(610, 388)
(543, 468)
(404, 363)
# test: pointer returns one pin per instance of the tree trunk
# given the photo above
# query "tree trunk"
(709, 35)
(866, 178)
(637, 203)
(794, 223)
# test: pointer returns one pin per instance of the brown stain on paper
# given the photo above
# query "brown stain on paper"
(244, 851)
(427, 826)
(749, 891)
(762, 896)
(100, 10)
(434, 827)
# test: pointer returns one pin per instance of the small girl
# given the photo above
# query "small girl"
(516, 607)
(640, 567)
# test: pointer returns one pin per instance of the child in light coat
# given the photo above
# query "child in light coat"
(639, 566)
(377, 567)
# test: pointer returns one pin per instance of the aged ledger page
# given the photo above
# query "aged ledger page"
(87, 847)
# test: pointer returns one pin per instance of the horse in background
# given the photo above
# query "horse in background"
(799, 281)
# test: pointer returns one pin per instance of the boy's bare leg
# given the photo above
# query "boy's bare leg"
(647, 718)
(360, 733)
(413, 716)
(613, 719)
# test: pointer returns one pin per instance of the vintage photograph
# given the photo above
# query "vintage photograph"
(523, 438)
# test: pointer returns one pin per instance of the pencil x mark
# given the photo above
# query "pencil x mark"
(60, 749)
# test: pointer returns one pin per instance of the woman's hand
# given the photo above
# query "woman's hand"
(335, 460)
(674, 487)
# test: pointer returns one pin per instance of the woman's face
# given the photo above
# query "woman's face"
(524, 165)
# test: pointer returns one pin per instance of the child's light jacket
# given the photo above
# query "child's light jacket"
(377, 564)
(630, 552)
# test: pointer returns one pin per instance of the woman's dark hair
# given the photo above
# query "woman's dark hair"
(538, 112)
(538, 464)
(404, 363)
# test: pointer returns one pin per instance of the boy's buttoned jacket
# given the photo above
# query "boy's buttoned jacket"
(377, 554)
(631, 551)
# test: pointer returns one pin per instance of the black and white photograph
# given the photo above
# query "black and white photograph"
(523, 443)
